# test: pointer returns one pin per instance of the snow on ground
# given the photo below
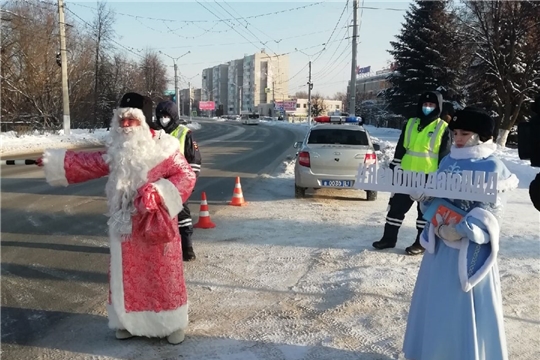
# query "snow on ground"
(298, 278)
(11, 143)
(292, 279)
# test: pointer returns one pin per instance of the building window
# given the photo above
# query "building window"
(305, 106)
(297, 106)
(337, 107)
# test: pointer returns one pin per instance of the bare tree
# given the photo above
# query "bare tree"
(30, 75)
(507, 56)
(318, 106)
(153, 75)
(103, 32)
(31, 78)
(301, 95)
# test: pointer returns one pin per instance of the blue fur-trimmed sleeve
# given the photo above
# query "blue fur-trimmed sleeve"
(473, 229)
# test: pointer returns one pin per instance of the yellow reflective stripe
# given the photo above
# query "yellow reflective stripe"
(436, 134)
(411, 124)
(422, 155)
(180, 133)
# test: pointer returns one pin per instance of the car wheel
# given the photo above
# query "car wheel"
(299, 192)
(371, 195)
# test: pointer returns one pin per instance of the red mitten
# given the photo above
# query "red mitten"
(39, 161)
(148, 199)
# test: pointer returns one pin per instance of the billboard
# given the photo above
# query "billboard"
(287, 105)
(207, 105)
(363, 70)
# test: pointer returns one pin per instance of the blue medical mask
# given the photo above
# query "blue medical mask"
(427, 110)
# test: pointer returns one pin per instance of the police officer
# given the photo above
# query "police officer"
(167, 118)
(424, 141)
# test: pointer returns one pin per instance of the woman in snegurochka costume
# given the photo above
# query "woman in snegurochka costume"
(456, 309)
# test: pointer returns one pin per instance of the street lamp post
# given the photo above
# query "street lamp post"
(189, 94)
(176, 92)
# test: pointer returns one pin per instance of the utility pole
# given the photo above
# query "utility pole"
(177, 93)
(189, 90)
(178, 100)
(352, 87)
(63, 54)
(310, 86)
(274, 96)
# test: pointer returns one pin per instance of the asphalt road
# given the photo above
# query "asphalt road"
(54, 244)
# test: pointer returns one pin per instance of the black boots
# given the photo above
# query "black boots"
(389, 238)
(415, 248)
(384, 243)
(187, 244)
(389, 241)
(188, 254)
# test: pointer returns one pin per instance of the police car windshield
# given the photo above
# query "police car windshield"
(338, 137)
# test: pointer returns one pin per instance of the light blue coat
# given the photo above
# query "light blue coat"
(456, 308)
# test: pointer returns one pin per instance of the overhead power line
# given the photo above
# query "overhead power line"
(210, 21)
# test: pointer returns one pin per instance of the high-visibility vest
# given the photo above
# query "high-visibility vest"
(422, 147)
(180, 133)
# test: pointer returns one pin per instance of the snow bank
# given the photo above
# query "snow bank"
(13, 144)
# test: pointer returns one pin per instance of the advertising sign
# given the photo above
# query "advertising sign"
(287, 105)
(207, 105)
(363, 70)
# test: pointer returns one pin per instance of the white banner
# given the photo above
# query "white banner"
(469, 185)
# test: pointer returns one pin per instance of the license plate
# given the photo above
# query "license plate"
(337, 183)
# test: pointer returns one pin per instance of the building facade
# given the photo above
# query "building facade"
(243, 84)
(369, 87)
(300, 108)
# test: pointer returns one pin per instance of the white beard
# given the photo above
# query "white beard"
(128, 153)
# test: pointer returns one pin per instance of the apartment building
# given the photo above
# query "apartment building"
(185, 96)
(207, 85)
(250, 81)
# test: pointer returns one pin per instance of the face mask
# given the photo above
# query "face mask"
(164, 121)
(427, 110)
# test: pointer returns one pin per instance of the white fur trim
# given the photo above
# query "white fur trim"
(55, 173)
(473, 152)
(508, 184)
(140, 323)
(170, 196)
(132, 113)
(167, 144)
(492, 225)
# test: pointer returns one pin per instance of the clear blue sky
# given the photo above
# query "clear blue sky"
(214, 42)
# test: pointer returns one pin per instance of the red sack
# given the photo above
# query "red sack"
(152, 224)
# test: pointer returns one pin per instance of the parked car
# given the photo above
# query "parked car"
(330, 154)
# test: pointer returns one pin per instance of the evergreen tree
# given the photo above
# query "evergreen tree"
(426, 54)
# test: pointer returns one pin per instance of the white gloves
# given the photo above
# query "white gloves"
(419, 196)
(446, 232)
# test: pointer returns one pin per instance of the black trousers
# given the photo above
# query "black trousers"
(399, 205)
(185, 226)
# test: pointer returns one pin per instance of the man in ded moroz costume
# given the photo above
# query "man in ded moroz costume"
(456, 310)
(149, 180)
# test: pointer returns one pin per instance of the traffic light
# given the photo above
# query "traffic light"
(59, 58)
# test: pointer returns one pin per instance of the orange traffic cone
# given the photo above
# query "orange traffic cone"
(238, 197)
(204, 216)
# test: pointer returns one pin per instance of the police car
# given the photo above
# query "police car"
(331, 153)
